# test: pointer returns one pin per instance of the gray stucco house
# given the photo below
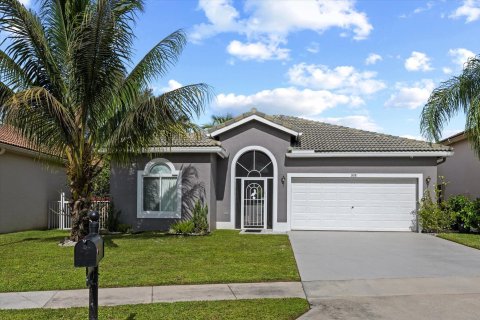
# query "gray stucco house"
(462, 170)
(282, 173)
(28, 180)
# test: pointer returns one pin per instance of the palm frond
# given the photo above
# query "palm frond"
(40, 118)
(154, 119)
(455, 95)
(29, 46)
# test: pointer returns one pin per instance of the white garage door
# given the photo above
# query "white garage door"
(361, 204)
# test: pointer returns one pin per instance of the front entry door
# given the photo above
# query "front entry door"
(254, 203)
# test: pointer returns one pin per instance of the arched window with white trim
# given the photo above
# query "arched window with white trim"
(159, 190)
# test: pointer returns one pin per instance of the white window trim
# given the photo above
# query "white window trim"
(233, 185)
(418, 176)
(141, 214)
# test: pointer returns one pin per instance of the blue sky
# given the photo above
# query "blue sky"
(366, 64)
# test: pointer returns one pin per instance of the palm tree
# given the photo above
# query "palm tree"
(216, 120)
(458, 94)
(67, 83)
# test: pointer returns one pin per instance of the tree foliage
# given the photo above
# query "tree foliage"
(460, 94)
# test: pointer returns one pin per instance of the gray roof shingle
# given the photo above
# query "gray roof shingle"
(322, 137)
(325, 137)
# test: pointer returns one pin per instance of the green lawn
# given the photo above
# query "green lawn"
(275, 309)
(32, 260)
(467, 239)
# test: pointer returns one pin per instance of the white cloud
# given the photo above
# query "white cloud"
(282, 17)
(356, 121)
(344, 79)
(271, 21)
(172, 85)
(257, 51)
(313, 47)
(289, 100)
(427, 7)
(447, 70)
(418, 61)
(222, 17)
(411, 97)
(470, 9)
(373, 58)
(460, 56)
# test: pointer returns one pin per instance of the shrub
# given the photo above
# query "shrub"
(200, 218)
(465, 213)
(124, 228)
(113, 218)
(183, 227)
(434, 216)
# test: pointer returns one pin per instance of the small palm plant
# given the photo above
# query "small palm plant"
(69, 85)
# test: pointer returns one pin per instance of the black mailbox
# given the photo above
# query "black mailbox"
(89, 251)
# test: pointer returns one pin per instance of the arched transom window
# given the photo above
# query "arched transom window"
(254, 164)
(159, 192)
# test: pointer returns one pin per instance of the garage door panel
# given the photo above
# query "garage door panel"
(352, 204)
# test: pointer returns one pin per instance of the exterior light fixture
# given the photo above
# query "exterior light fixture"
(427, 180)
(283, 180)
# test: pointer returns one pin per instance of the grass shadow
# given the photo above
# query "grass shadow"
(109, 243)
(19, 241)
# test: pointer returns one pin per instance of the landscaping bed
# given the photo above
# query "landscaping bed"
(32, 260)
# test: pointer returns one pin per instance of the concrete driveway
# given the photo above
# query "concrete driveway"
(379, 275)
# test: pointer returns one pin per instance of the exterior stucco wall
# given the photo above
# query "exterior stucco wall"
(26, 186)
(461, 171)
(123, 188)
(250, 134)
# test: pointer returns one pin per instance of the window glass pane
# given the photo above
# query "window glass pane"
(151, 198)
(267, 171)
(246, 160)
(261, 160)
(160, 169)
(169, 194)
(241, 172)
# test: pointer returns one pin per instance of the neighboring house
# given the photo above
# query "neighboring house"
(462, 171)
(28, 180)
(281, 173)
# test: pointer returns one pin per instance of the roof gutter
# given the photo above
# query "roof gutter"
(218, 150)
(384, 154)
(29, 152)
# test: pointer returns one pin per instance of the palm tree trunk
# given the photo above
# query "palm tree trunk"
(80, 175)
(79, 212)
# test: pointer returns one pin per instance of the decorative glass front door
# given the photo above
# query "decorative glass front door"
(254, 202)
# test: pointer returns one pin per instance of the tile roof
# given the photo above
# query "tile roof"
(325, 137)
(192, 140)
(9, 135)
(274, 119)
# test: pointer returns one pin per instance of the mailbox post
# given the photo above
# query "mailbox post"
(88, 253)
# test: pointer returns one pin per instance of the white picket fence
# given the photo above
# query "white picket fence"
(59, 213)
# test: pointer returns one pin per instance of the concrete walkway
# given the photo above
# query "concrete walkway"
(138, 295)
